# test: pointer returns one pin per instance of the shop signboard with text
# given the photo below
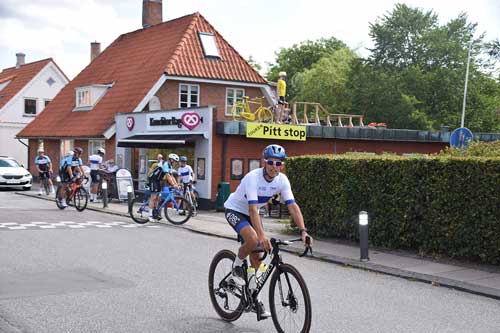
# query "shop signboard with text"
(276, 132)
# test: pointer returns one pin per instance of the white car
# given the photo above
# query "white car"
(14, 175)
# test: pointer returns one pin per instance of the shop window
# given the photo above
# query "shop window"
(30, 106)
(96, 144)
(209, 44)
(189, 95)
(233, 95)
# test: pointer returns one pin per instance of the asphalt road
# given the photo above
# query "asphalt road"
(94, 272)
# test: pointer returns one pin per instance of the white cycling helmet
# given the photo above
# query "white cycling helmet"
(101, 151)
(174, 157)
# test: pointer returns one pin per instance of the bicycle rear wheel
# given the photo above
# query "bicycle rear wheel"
(58, 198)
(225, 295)
(138, 211)
(178, 211)
(81, 199)
(265, 115)
(289, 300)
(236, 110)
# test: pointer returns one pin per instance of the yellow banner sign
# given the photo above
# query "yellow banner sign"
(274, 131)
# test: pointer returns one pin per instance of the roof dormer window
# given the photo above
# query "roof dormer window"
(88, 96)
(209, 44)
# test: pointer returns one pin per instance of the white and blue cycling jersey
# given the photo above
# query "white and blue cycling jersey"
(95, 161)
(42, 162)
(255, 189)
(185, 173)
(70, 161)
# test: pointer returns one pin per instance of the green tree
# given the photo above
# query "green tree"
(300, 57)
(325, 82)
(252, 62)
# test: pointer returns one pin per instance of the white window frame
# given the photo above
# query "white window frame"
(36, 107)
(94, 145)
(190, 105)
(71, 146)
(83, 97)
(234, 97)
(4, 84)
(209, 45)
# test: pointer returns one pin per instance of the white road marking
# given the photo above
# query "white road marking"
(17, 228)
(103, 226)
(76, 226)
(128, 226)
(7, 224)
(39, 222)
(47, 227)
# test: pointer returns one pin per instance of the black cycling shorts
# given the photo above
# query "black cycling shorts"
(281, 100)
(155, 186)
(43, 174)
(238, 221)
(95, 176)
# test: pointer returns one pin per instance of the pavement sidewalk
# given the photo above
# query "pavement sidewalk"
(474, 278)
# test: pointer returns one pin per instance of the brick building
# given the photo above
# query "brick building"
(169, 87)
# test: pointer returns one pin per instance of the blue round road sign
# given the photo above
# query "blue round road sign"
(460, 137)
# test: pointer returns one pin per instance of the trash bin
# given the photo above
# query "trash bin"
(223, 191)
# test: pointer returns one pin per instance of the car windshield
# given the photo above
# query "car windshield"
(8, 164)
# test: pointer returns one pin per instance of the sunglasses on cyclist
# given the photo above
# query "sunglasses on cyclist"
(276, 163)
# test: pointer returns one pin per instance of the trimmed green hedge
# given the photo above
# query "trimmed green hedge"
(437, 205)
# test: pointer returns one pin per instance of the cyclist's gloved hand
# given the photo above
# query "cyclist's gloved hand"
(304, 236)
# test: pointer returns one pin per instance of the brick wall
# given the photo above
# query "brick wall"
(241, 147)
(51, 148)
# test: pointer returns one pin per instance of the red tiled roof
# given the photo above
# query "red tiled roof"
(19, 78)
(135, 62)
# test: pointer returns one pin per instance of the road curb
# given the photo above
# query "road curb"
(372, 267)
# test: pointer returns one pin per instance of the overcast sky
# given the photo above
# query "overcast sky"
(63, 29)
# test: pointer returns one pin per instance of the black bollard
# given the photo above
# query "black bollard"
(130, 196)
(363, 236)
(104, 194)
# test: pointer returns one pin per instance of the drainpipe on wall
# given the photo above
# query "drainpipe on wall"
(223, 170)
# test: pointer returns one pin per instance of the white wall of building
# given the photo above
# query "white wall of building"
(12, 116)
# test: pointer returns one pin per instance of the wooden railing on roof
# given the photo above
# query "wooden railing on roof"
(316, 114)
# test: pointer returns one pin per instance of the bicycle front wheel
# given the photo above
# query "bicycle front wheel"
(265, 115)
(225, 294)
(289, 300)
(178, 211)
(81, 199)
(139, 211)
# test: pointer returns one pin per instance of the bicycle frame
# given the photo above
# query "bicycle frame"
(248, 114)
(162, 201)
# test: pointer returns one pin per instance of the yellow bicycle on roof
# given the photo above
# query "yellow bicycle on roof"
(241, 109)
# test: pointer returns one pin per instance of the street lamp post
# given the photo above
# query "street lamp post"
(465, 86)
(363, 236)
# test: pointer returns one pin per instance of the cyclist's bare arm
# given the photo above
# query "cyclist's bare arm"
(69, 171)
(253, 211)
(171, 180)
(297, 217)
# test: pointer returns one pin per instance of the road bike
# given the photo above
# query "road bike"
(289, 299)
(241, 109)
(176, 208)
(76, 195)
(46, 175)
(191, 196)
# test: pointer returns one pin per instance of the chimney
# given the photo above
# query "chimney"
(95, 49)
(151, 12)
(20, 59)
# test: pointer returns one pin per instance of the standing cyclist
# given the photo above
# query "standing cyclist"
(186, 177)
(71, 168)
(95, 162)
(44, 167)
(162, 170)
(242, 211)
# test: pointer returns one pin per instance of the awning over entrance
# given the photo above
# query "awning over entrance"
(158, 140)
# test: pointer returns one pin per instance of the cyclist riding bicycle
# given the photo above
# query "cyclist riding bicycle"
(242, 211)
(44, 167)
(71, 169)
(159, 171)
(95, 162)
(186, 177)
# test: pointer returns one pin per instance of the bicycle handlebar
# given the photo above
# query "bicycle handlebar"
(276, 242)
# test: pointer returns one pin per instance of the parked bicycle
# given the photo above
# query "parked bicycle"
(76, 195)
(289, 298)
(176, 208)
(241, 109)
(191, 196)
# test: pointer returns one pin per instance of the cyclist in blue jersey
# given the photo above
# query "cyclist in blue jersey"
(71, 169)
(162, 170)
(242, 210)
(44, 167)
